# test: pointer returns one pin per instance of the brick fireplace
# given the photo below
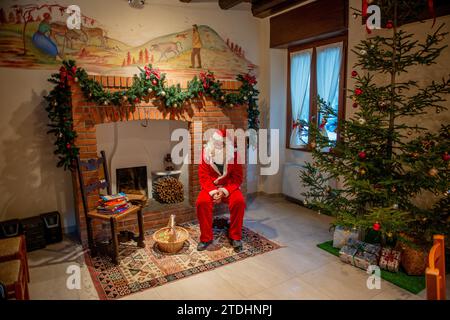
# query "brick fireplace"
(87, 115)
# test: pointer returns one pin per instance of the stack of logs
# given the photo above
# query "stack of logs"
(168, 190)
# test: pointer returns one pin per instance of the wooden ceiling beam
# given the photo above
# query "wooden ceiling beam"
(266, 8)
(228, 4)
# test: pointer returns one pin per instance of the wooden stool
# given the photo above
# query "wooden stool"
(13, 276)
(15, 248)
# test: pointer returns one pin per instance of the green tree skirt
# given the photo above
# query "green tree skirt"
(413, 284)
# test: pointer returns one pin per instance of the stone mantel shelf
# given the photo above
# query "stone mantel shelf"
(166, 173)
(161, 174)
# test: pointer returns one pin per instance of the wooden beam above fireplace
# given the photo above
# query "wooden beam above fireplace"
(260, 8)
(266, 8)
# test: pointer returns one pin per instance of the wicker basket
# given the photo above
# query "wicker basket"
(171, 247)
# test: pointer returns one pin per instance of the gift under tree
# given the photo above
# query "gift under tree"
(381, 161)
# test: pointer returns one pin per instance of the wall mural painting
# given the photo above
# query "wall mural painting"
(37, 37)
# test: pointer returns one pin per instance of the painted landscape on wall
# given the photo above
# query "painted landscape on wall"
(37, 37)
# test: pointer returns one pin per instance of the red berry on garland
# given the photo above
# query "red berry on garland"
(354, 73)
(362, 155)
(136, 100)
(358, 91)
(389, 24)
(376, 226)
(446, 156)
(68, 146)
(355, 105)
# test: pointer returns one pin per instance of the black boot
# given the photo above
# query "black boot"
(236, 244)
(203, 245)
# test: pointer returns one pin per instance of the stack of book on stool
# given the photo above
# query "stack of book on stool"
(113, 204)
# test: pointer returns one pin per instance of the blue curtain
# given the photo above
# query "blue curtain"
(328, 73)
(300, 90)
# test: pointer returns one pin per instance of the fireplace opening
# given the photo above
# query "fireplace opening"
(132, 180)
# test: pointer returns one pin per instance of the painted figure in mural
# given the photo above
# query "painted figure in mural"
(220, 175)
(41, 38)
(196, 47)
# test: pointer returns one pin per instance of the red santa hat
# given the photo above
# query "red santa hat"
(219, 134)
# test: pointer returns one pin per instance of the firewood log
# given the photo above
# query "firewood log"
(168, 190)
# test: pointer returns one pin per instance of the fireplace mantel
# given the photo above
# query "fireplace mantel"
(86, 115)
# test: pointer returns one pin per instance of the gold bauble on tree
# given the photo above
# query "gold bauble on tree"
(433, 172)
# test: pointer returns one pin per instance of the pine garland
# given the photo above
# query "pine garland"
(150, 81)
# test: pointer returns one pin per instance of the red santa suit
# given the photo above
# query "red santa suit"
(212, 181)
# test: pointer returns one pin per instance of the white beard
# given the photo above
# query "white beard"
(218, 156)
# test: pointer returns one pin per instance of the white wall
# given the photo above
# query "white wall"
(29, 181)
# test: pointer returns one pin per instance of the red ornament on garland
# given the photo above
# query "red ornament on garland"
(68, 146)
(136, 100)
(358, 91)
(355, 105)
(376, 226)
(154, 82)
(354, 73)
(362, 155)
(389, 24)
(446, 156)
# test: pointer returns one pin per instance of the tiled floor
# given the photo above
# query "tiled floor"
(298, 271)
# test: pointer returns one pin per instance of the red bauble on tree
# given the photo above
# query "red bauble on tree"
(446, 156)
(354, 73)
(362, 155)
(376, 226)
(68, 146)
(358, 91)
(389, 24)
(154, 82)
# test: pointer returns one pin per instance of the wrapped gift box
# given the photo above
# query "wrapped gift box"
(390, 259)
(364, 259)
(374, 249)
(347, 253)
(342, 235)
(360, 254)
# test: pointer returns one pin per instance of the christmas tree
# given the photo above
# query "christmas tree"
(381, 164)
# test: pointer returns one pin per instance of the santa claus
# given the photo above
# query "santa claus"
(220, 177)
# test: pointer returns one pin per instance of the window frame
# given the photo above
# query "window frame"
(313, 86)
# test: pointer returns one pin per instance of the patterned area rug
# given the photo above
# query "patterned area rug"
(144, 268)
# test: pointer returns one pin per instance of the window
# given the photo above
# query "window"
(315, 70)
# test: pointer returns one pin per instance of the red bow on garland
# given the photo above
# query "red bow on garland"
(206, 78)
(149, 72)
(65, 75)
(250, 79)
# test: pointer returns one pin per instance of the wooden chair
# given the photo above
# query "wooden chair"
(15, 248)
(14, 279)
(435, 273)
(93, 164)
